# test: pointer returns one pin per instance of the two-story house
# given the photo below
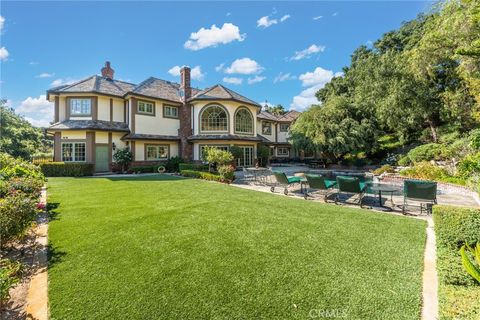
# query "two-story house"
(156, 119)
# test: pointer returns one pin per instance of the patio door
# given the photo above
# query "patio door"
(247, 156)
(101, 158)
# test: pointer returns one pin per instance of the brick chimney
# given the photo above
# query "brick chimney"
(185, 116)
(107, 72)
(185, 82)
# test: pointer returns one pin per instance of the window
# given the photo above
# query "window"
(284, 127)
(73, 151)
(247, 157)
(266, 127)
(203, 148)
(214, 118)
(146, 107)
(80, 107)
(243, 121)
(156, 152)
(170, 112)
(283, 152)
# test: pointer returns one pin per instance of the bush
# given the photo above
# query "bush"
(404, 161)
(123, 158)
(469, 165)
(202, 175)
(17, 211)
(66, 169)
(10, 274)
(173, 163)
(218, 156)
(426, 152)
(193, 166)
(425, 171)
(455, 226)
(474, 139)
(28, 185)
(384, 169)
(11, 167)
(227, 172)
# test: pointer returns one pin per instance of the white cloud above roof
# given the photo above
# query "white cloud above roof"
(59, 82)
(4, 54)
(233, 80)
(308, 52)
(195, 72)
(256, 79)
(45, 75)
(244, 66)
(318, 76)
(2, 22)
(38, 111)
(285, 17)
(267, 21)
(213, 36)
(283, 77)
(317, 17)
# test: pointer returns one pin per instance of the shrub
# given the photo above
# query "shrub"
(425, 171)
(202, 175)
(384, 169)
(123, 158)
(471, 267)
(469, 165)
(474, 139)
(455, 226)
(28, 185)
(227, 172)
(173, 163)
(65, 169)
(404, 161)
(193, 166)
(17, 211)
(426, 152)
(10, 274)
(11, 167)
(217, 156)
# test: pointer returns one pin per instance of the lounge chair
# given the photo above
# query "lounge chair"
(424, 192)
(350, 185)
(319, 184)
(283, 181)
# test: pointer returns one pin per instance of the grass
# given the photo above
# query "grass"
(160, 247)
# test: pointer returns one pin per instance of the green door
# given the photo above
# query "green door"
(101, 158)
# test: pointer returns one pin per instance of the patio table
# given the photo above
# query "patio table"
(378, 188)
(256, 170)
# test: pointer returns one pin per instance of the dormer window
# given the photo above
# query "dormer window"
(81, 107)
(145, 107)
(284, 127)
(266, 128)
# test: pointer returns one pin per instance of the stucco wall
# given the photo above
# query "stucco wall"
(149, 124)
(270, 137)
(74, 135)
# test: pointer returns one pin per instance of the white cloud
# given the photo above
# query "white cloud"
(59, 82)
(335, 14)
(283, 77)
(244, 66)
(37, 111)
(3, 54)
(318, 76)
(317, 17)
(219, 67)
(45, 75)
(195, 72)
(316, 80)
(256, 79)
(307, 53)
(266, 22)
(204, 38)
(33, 63)
(232, 80)
(2, 22)
(228, 14)
(285, 17)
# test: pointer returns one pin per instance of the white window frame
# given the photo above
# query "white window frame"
(222, 130)
(157, 146)
(284, 124)
(237, 124)
(167, 111)
(283, 154)
(145, 104)
(74, 152)
(264, 125)
(80, 101)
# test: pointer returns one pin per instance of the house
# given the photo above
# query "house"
(157, 120)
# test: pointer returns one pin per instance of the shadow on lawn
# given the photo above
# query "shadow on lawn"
(152, 178)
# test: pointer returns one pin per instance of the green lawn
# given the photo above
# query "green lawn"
(160, 247)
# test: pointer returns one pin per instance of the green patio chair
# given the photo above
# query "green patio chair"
(421, 191)
(319, 184)
(282, 180)
(351, 186)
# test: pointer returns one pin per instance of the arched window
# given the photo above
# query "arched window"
(214, 118)
(243, 121)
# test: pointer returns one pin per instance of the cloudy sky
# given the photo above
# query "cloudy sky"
(280, 52)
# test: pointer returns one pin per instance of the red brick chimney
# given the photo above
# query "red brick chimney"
(107, 72)
(185, 116)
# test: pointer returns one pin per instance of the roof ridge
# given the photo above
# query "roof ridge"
(78, 82)
(141, 84)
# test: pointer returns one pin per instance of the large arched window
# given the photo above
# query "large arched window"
(243, 121)
(214, 118)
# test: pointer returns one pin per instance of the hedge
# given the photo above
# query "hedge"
(193, 167)
(63, 169)
(202, 175)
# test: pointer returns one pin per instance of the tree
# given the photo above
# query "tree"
(277, 110)
(17, 136)
(123, 157)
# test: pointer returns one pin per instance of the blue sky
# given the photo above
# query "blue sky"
(276, 51)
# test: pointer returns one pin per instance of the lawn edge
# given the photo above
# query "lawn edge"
(430, 305)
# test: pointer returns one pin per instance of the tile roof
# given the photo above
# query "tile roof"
(289, 116)
(139, 136)
(158, 88)
(219, 92)
(96, 84)
(223, 137)
(90, 124)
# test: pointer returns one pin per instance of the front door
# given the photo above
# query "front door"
(101, 158)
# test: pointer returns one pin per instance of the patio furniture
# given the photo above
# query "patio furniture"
(424, 192)
(247, 174)
(283, 181)
(350, 186)
(318, 183)
(378, 188)
(255, 171)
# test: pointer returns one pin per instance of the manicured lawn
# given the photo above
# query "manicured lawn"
(167, 248)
